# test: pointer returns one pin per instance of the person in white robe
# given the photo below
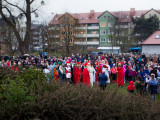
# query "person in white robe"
(107, 69)
(91, 73)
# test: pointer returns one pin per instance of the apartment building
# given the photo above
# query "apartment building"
(96, 27)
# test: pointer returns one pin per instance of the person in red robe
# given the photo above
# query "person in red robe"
(98, 71)
(77, 73)
(86, 77)
(120, 75)
(74, 73)
(14, 67)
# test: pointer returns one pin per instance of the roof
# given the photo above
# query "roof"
(92, 17)
(83, 18)
(158, 11)
(154, 39)
(105, 12)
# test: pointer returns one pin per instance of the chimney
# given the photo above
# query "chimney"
(132, 12)
(91, 13)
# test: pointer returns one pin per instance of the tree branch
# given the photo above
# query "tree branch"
(16, 7)
(31, 1)
(5, 18)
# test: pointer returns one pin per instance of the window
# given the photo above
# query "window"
(103, 24)
(82, 18)
(70, 25)
(70, 40)
(86, 18)
(157, 36)
(155, 15)
(95, 17)
(109, 40)
(103, 39)
(70, 32)
(63, 32)
(63, 41)
(94, 32)
(150, 15)
(103, 32)
(104, 16)
(109, 24)
(110, 32)
(94, 25)
(62, 26)
(109, 17)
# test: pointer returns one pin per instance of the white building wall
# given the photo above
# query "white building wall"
(151, 49)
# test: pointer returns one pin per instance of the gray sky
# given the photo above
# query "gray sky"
(82, 6)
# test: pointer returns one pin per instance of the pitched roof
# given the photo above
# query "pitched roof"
(92, 17)
(108, 12)
(83, 17)
(152, 9)
(154, 39)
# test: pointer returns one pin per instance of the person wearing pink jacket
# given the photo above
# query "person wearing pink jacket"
(113, 73)
(124, 73)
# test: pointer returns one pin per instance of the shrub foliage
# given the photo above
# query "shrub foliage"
(29, 96)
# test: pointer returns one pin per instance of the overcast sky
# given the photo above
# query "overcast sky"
(82, 6)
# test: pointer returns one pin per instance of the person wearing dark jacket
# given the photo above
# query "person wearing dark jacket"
(153, 71)
(153, 86)
(103, 80)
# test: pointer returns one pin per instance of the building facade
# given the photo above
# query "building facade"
(152, 44)
(100, 28)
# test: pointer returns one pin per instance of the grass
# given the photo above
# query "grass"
(123, 90)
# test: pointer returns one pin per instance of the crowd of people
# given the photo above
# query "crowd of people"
(142, 71)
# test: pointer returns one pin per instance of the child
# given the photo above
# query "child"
(131, 87)
(140, 85)
(113, 73)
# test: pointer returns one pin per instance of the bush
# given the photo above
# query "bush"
(28, 95)
(14, 93)
(81, 103)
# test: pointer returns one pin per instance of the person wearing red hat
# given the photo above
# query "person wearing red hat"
(68, 72)
(120, 75)
(78, 73)
(8, 63)
(86, 77)
(73, 72)
(131, 87)
(98, 71)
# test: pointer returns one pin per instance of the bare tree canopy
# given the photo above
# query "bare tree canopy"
(20, 8)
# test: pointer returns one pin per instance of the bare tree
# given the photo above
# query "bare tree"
(120, 35)
(8, 8)
(53, 34)
(67, 31)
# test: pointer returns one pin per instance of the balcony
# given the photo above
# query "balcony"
(80, 28)
(93, 27)
(53, 28)
(80, 43)
(54, 36)
(92, 35)
(86, 43)
(80, 35)
(93, 43)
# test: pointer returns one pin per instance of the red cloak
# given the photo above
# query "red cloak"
(78, 75)
(120, 76)
(74, 73)
(98, 70)
(86, 77)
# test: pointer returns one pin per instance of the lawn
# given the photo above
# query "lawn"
(123, 90)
